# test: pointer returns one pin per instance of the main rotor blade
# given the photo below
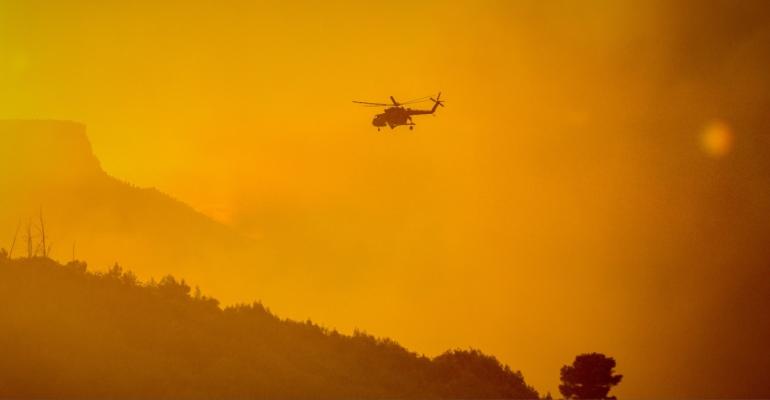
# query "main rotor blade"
(372, 104)
(420, 100)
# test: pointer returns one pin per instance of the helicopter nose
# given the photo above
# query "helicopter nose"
(378, 121)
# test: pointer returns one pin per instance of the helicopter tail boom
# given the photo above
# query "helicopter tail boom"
(436, 102)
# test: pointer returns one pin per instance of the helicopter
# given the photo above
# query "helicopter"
(396, 114)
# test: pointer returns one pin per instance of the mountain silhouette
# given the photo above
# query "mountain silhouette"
(49, 165)
(69, 333)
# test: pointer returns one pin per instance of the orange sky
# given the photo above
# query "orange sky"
(571, 197)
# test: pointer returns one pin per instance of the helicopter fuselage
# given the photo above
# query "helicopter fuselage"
(397, 116)
(393, 117)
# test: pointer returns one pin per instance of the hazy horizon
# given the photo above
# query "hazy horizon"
(597, 182)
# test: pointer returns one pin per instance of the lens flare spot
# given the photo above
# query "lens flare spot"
(717, 139)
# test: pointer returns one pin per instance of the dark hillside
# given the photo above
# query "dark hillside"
(50, 165)
(69, 333)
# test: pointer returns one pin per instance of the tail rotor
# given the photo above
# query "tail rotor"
(437, 100)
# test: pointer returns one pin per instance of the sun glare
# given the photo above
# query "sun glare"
(717, 139)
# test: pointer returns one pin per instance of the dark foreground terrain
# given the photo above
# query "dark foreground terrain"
(69, 333)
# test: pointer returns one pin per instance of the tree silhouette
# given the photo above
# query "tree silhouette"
(591, 376)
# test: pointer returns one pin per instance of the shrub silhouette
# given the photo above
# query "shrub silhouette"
(591, 376)
(67, 332)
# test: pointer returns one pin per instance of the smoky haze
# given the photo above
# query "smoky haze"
(597, 182)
